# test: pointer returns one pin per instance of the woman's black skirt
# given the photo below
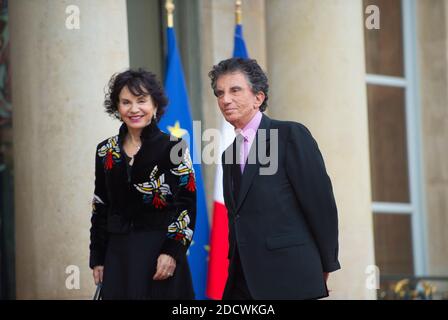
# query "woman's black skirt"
(130, 265)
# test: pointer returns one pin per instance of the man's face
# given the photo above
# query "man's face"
(236, 100)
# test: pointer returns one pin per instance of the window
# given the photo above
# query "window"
(394, 140)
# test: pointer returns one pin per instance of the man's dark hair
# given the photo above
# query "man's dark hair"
(139, 82)
(249, 67)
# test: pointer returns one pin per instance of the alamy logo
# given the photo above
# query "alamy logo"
(373, 20)
(72, 280)
(373, 277)
(72, 21)
(264, 149)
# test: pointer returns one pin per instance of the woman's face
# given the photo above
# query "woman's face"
(136, 112)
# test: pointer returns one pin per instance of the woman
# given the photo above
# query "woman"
(144, 206)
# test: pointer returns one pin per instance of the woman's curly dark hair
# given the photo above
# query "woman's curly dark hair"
(139, 82)
(249, 67)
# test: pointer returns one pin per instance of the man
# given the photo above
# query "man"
(283, 225)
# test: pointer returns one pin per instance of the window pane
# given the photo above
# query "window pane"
(393, 243)
(388, 151)
(384, 46)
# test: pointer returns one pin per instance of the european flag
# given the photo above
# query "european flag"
(177, 121)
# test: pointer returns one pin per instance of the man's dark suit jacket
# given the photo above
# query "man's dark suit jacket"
(284, 225)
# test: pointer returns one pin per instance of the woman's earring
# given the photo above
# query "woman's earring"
(155, 115)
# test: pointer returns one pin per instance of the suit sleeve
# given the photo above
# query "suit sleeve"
(98, 230)
(312, 185)
(180, 231)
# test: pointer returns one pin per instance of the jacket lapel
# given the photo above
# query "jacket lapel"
(227, 177)
(250, 170)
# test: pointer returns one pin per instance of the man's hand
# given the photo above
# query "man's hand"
(165, 267)
(98, 274)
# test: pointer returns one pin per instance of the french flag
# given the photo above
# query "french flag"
(219, 245)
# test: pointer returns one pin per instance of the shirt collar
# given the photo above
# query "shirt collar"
(250, 129)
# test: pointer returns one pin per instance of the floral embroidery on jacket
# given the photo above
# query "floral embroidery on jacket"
(155, 189)
(110, 153)
(186, 173)
(179, 229)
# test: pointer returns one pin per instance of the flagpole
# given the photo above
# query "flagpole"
(238, 12)
(169, 6)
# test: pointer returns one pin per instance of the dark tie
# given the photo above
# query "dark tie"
(236, 168)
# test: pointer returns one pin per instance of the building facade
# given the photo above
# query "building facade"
(368, 78)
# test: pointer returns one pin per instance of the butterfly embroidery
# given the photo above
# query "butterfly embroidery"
(186, 173)
(155, 190)
(179, 229)
(110, 153)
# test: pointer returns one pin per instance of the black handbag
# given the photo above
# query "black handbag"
(98, 295)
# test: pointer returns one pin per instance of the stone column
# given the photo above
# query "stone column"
(433, 67)
(59, 76)
(315, 52)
